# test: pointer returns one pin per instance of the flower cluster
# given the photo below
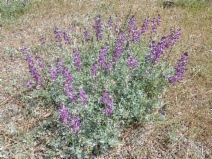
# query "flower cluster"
(65, 118)
(77, 60)
(98, 27)
(58, 35)
(66, 37)
(131, 62)
(119, 46)
(86, 35)
(94, 69)
(70, 93)
(144, 26)
(179, 70)
(75, 124)
(155, 23)
(134, 32)
(82, 95)
(59, 65)
(157, 49)
(33, 70)
(173, 37)
(102, 56)
(108, 102)
(40, 61)
(110, 23)
(64, 114)
(53, 73)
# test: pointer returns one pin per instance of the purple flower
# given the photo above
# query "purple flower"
(24, 49)
(29, 84)
(75, 124)
(134, 33)
(173, 37)
(154, 25)
(69, 92)
(110, 22)
(77, 60)
(131, 62)
(108, 102)
(108, 65)
(116, 30)
(107, 111)
(156, 50)
(59, 65)
(53, 73)
(86, 35)
(42, 40)
(180, 70)
(94, 69)
(102, 56)
(82, 96)
(58, 35)
(33, 70)
(67, 75)
(119, 46)
(64, 114)
(98, 27)
(40, 61)
(65, 37)
(144, 26)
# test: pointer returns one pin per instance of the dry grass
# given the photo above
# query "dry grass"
(186, 130)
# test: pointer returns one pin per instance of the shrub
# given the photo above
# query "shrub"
(112, 79)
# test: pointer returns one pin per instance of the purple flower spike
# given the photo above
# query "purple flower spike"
(67, 75)
(66, 37)
(94, 69)
(33, 70)
(69, 92)
(86, 35)
(64, 114)
(154, 25)
(144, 26)
(29, 84)
(102, 56)
(157, 49)
(40, 61)
(134, 33)
(180, 70)
(75, 124)
(53, 73)
(131, 62)
(59, 65)
(108, 111)
(108, 102)
(98, 27)
(77, 60)
(173, 37)
(82, 96)
(58, 35)
(110, 23)
(119, 46)
(24, 49)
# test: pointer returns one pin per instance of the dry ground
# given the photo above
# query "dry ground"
(186, 130)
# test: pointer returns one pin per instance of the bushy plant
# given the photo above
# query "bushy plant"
(101, 83)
